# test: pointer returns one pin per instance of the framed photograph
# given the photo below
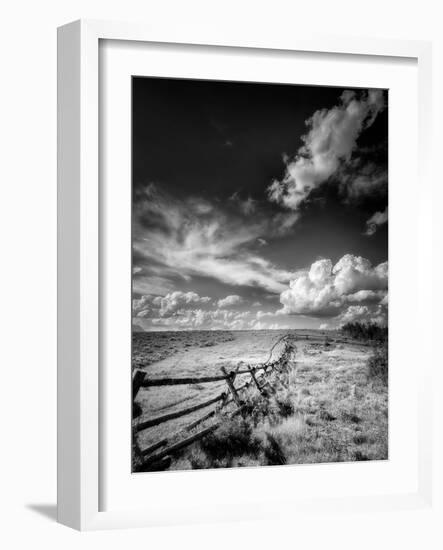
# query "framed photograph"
(238, 230)
(243, 325)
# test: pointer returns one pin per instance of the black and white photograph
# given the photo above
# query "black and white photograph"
(226, 216)
(259, 274)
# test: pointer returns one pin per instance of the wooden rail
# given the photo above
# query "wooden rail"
(140, 380)
(188, 428)
(151, 382)
(143, 424)
(177, 446)
(158, 457)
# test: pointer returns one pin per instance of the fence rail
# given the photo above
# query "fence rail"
(143, 424)
(167, 381)
(151, 382)
(141, 380)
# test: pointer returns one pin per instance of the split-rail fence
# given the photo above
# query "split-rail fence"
(158, 455)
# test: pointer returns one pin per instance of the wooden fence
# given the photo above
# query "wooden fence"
(155, 459)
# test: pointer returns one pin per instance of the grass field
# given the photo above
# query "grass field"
(327, 406)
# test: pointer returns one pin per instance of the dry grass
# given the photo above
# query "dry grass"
(329, 406)
(378, 363)
(151, 347)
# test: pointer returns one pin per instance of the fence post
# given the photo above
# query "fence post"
(137, 381)
(251, 370)
(230, 381)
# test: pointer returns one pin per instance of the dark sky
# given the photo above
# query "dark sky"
(205, 154)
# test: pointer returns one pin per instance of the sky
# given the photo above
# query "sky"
(258, 206)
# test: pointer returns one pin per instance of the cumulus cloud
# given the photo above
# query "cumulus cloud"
(367, 296)
(145, 306)
(199, 319)
(149, 317)
(364, 314)
(374, 222)
(354, 273)
(325, 289)
(230, 301)
(380, 315)
(166, 306)
(355, 313)
(328, 145)
(189, 311)
(269, 314)
(174, 301)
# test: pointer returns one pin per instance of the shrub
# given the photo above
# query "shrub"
(273, 452)
(286, 406)
(350, 417)
(234, 438)
(378, 363)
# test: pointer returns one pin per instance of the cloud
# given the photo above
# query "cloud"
(145, 306)
(355, 313)
(174, 301)
(137, 326)
(199, 319)
(360, 179)
(325, 289)
(377, 219)
(149, 317)
(273, 326)
(354, 273)
(199, 205)
(269, 314)
(151, 284)
(367, 296)
(328, 146)
(229, 301)
(380, 315)
(247, 206)
(364, 314)
(181, 242)
(166, 306)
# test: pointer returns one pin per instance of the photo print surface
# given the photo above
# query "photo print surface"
(259, 274)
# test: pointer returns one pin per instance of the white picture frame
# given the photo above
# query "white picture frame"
(79, 263)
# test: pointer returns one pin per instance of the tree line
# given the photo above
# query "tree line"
(365, 331)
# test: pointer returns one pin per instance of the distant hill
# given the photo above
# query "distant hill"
(137, 328)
